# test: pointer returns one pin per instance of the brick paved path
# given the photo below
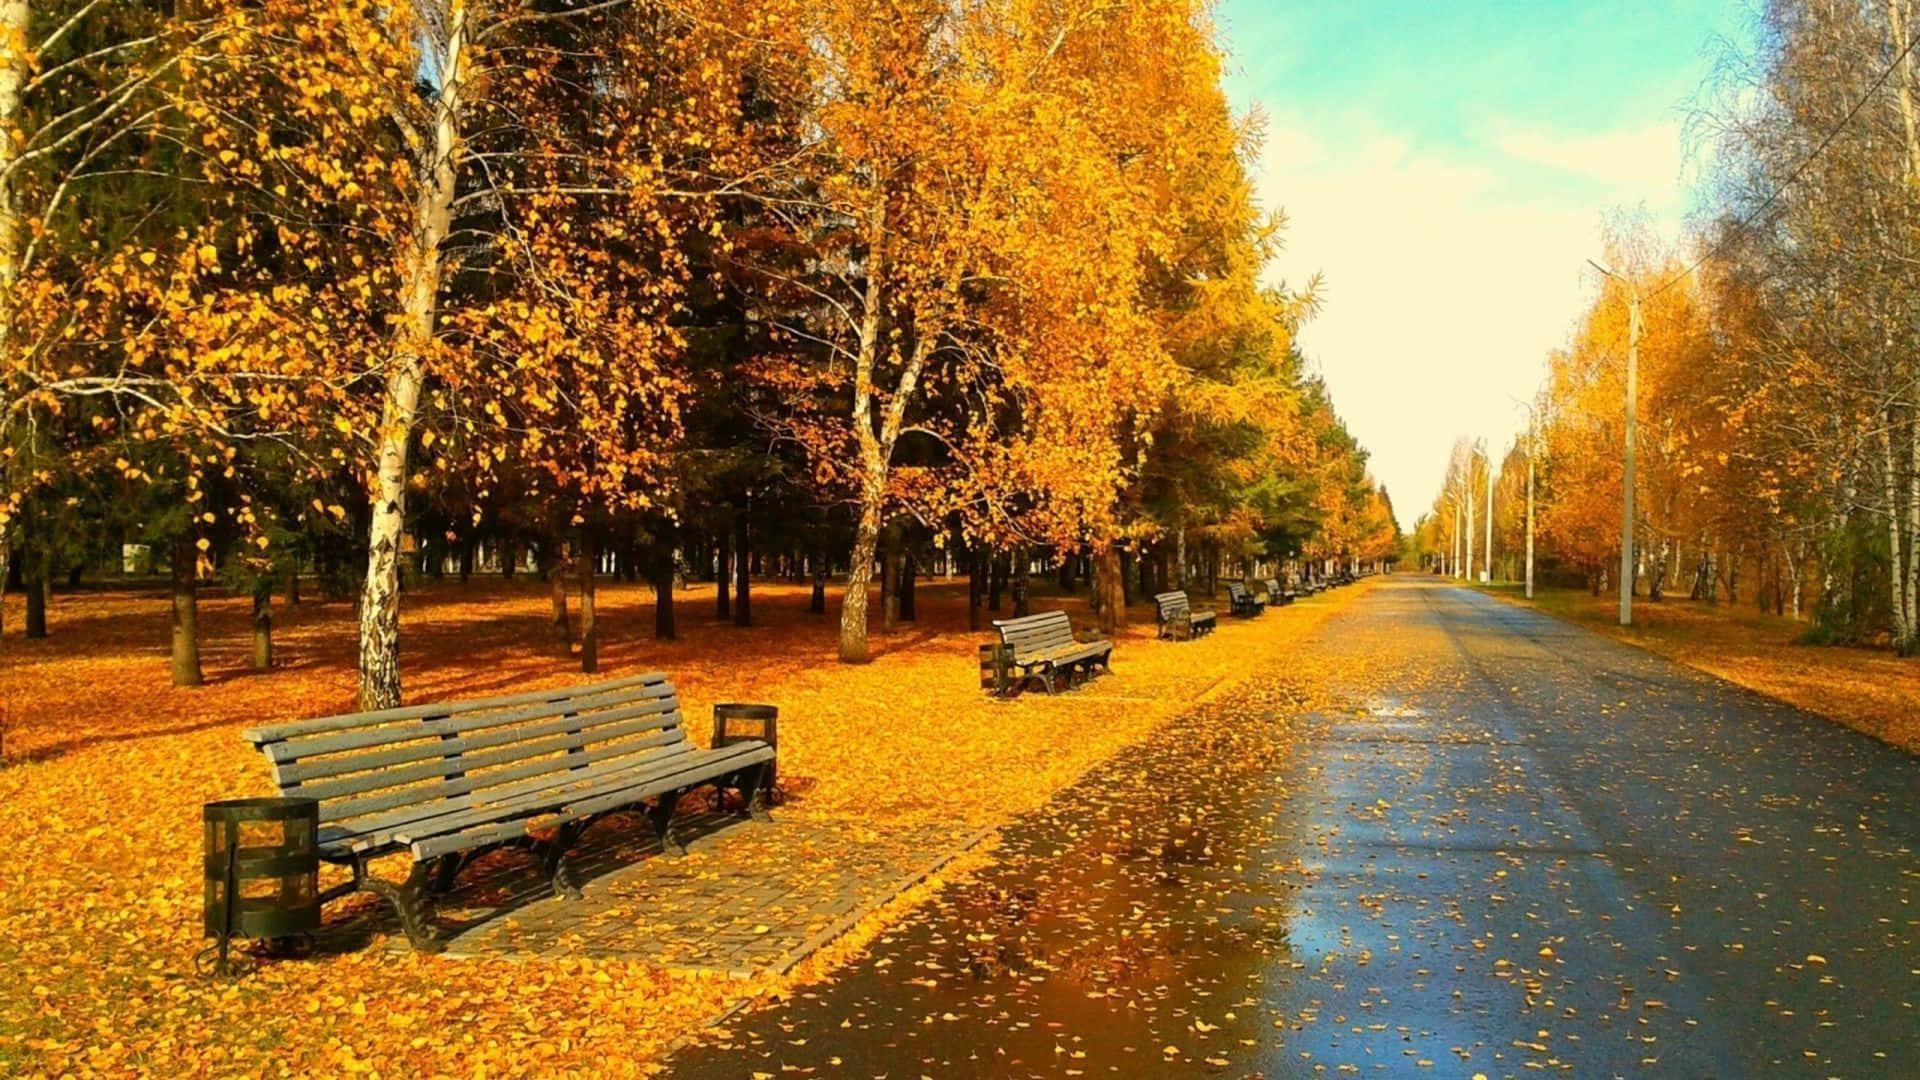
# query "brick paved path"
(746, 898)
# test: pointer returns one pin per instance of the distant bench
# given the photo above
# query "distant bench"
(1245, 603)
(1276, 595)
(1177, 619)
(447, 782)
(1043, 646)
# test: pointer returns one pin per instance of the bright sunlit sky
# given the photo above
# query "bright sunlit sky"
(1447, 166)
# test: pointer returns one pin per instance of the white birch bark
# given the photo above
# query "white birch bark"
(413, 337)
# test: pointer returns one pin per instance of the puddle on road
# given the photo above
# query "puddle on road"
(1129, 929)
(1393, 709)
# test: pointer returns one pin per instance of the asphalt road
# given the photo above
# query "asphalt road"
(1447, 837)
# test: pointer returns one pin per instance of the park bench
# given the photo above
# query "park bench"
(1276, 595)
(1245, 604)
(446, 782)
(1177, 618)
(1042, 646)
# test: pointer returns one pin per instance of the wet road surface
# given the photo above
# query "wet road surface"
(1446, 837)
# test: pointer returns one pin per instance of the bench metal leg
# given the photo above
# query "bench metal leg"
(445, 870)
(554, 865)
(757, 796)
(409, 902)
(660, 816)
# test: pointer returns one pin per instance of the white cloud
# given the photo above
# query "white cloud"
(1448, 275)
(1645, 160)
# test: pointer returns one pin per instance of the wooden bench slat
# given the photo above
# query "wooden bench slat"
(427, 749)
(353, 784)
(371, 833)
(588, 707)
(487, 783)
(567, 800)
(345, 721)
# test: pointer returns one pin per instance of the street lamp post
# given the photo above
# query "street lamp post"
(1466, 482)
(1530, 438)
(1486, 573)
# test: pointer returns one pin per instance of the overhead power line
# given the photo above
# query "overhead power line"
(1740, 224)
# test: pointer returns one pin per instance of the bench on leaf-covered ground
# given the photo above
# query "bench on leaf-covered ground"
(1246, 603)
(446, 782)
(1043, 646)
(1178, 621)
(1277, 596)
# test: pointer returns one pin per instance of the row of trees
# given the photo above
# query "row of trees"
(1778, 445)
(342, 285)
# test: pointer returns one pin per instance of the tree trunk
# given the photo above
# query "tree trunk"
(853, 603)
(1022, 561)
(817, 601)
(466, 560)
(876, 449)
(890, 563)
(34, 585)
(1904, 631)
(186, 622)
(557, 587)
(16, 25)
(1065, 570)
(589, 632)
(723, 576)
(263, 624)
(1109, 580)
(996, 580)
(976, 586)
(663, 628)
(420, 291)
(1792, 565)
(742, 563)
(909, 578)
(509, 558)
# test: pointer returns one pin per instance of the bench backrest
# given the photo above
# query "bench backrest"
(1273, 587)
(1237, 591)
(370, 769)
(1173, 605)
(1033, 634)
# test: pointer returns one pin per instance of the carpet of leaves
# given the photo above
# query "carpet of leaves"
(104, 767)
(1868, 689)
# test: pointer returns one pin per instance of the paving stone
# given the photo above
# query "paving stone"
(747, 897)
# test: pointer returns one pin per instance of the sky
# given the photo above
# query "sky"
(1448, 167)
